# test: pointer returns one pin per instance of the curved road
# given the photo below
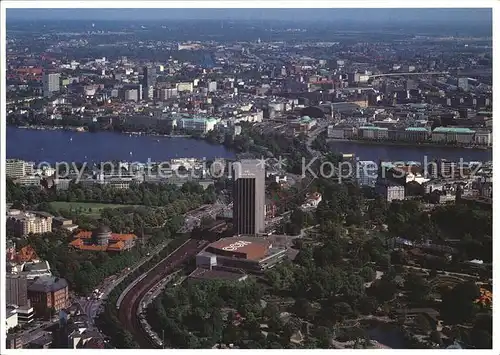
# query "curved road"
(91, 307)
(127, 312)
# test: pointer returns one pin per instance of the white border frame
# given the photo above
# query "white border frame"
(226, 4)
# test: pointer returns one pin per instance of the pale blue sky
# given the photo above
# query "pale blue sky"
(467, 16)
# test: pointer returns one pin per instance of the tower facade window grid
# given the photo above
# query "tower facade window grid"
(149, 82)
(50, 83)
(248, 197)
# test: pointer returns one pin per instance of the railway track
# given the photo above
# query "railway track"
(127, 313)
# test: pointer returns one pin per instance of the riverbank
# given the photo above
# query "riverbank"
(407, 144)
(53, 128)
(133, 134)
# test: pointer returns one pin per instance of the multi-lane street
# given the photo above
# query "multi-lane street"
(130, 304)
(91, 305)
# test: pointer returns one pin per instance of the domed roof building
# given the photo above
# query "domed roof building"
(102, 229)
(101, 235)
(103, 239)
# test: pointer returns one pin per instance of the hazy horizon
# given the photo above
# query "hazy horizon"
(424, 15)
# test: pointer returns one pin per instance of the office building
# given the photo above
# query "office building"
(185, 86)
(14, 341)
(149, 83)
(29, 180)
(372, 132)
(55, 183)
(463, 83)
(165, 94)
(416, 134)
(483, 138)
(212, 86)
(48, 293)
(341, 132)
(131, 92)
(18, 168)
(25, 314)
(303, 124)
(16, 289)
(51, 83)
(248, 197)
(64, 223)
(36, 268)
(389, 191)
(197, 124)
(24, 223)
(367, 173)
(131, 95)
(458, 135)
(11, 320)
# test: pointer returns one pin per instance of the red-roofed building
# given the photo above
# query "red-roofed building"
(29, 71)
(26, 254)
(101, 239)
(240, 249)
(246, 253)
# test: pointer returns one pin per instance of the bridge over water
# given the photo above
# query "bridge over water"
(409, 73)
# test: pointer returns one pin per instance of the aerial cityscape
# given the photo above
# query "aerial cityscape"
(248, 179)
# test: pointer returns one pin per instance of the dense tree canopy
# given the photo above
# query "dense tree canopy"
(458, 303)
(192, 318)
(138, 194)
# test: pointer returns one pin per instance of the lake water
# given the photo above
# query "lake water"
(53, 146)
(409, 153)
(57, 146)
